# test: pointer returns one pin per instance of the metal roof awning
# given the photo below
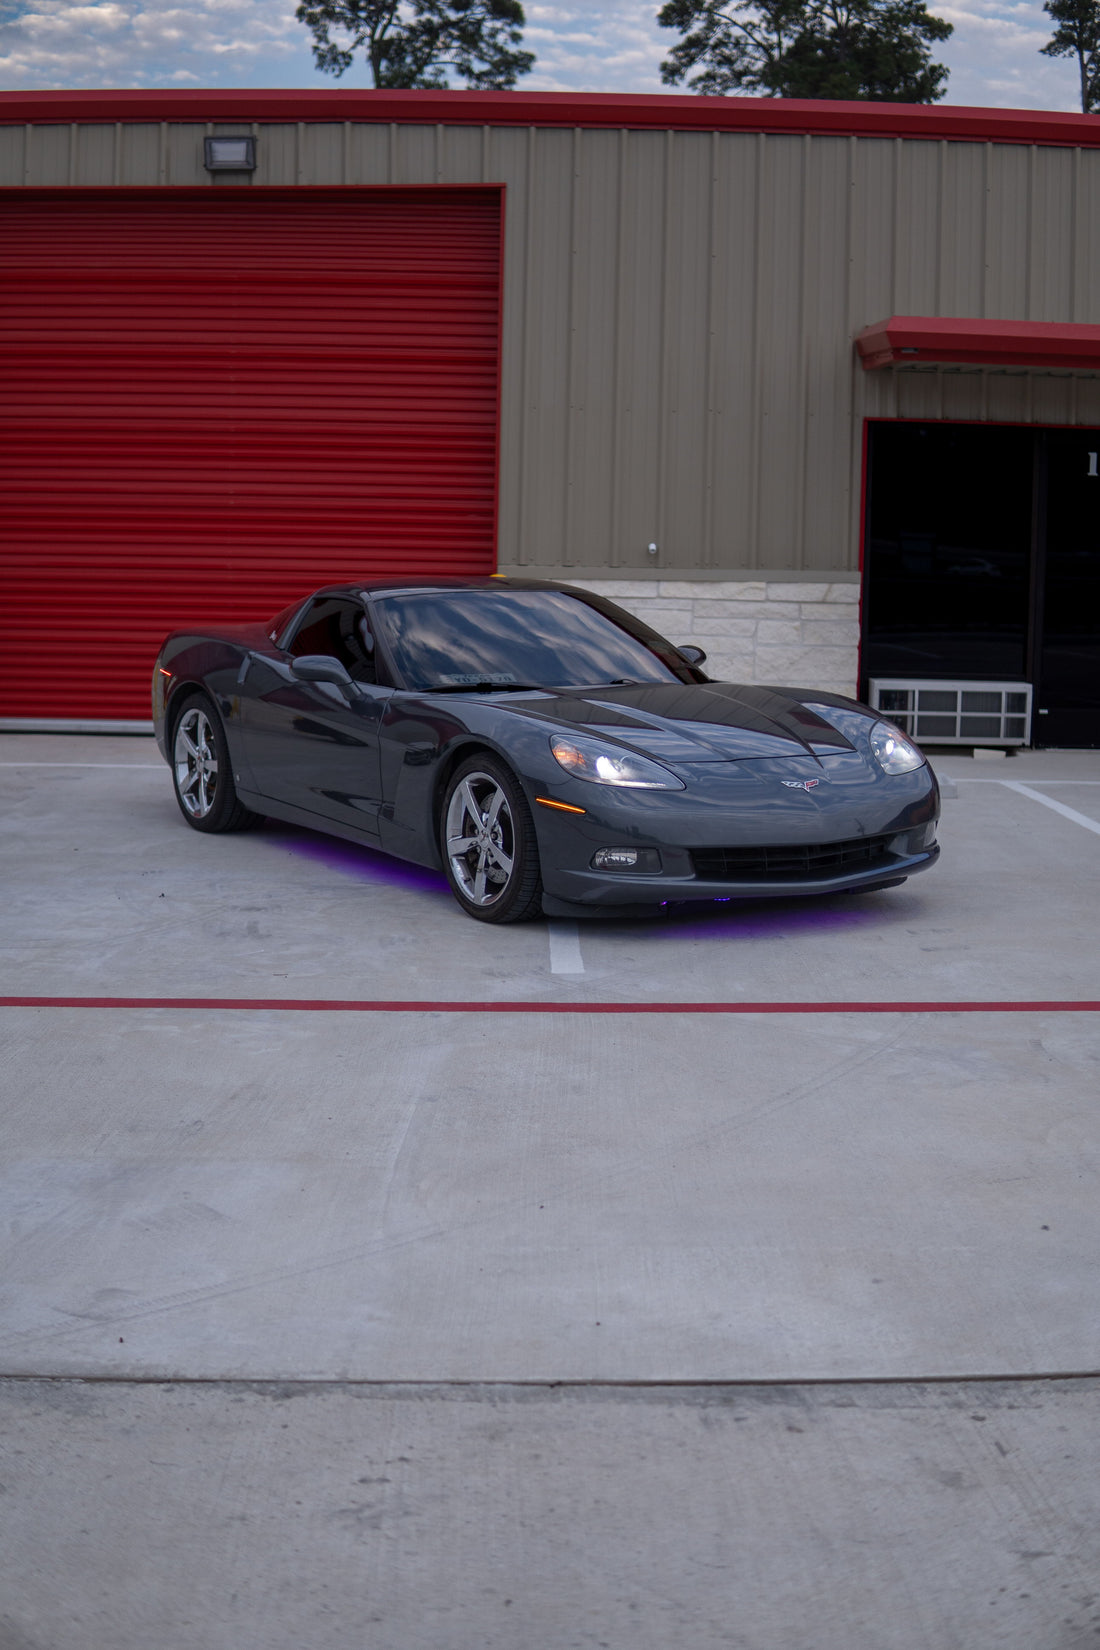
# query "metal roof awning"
(907, 340)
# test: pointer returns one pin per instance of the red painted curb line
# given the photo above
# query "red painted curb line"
(351, 1006)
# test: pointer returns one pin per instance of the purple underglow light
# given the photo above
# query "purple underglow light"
(366, 864)
(770, 919)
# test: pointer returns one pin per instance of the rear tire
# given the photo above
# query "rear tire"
(487, 838)
(201, 770)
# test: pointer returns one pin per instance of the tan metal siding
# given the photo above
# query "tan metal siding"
(12, 143)
(94, 149)
(734, 349)
(917, 210)
(1008, 399)
(506, 159)
(679, 309)
(277, 157)
(535, 438)
(1008, 252)
(962, 236)
(461, 154)
(1050, 250)
(826, 482)
(683, 470)
(637, 412)
(138, 156)
(1084, 228)
(591, 346)
(778, 351)
(871, 252)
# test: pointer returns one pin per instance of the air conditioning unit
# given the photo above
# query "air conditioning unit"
(956, 713)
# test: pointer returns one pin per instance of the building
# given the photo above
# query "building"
(815, 385)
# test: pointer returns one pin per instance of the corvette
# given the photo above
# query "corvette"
(546, 750)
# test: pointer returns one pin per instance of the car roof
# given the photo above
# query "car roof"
(394, 583)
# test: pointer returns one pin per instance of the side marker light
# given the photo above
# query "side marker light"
(563, 807)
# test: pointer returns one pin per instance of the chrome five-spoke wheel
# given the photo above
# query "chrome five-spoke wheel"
(201, 770)
(195, 759)
(480, 838)
(489, 844)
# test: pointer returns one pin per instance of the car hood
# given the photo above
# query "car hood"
(704, 722)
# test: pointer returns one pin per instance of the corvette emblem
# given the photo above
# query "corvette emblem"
(800, 784)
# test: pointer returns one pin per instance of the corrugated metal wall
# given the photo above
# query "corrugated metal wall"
(680, 307)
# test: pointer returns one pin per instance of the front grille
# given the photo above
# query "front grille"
(795, 862)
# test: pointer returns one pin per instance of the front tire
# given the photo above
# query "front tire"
(201, 771)
(487, 836)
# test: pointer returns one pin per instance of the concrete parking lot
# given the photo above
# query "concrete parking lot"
(375, 1277)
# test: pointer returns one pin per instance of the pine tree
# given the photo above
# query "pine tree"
(1078, 35)
(808, 48)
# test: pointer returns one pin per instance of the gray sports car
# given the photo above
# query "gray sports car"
(545, 749)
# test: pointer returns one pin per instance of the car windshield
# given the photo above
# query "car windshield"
(456, 640)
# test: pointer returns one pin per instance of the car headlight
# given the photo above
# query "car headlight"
(588, 759)
(893, 752)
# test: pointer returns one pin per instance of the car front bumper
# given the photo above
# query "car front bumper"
(591, 893)
(723, 819)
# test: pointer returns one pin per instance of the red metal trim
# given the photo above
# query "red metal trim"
(907, 339)
(986, 423)
(864, 444)
(500, 381)
(822, 118)
(343, 1005)
(241, 191)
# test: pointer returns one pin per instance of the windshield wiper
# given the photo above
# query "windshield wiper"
(483, 687)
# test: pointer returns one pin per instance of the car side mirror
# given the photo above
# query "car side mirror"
(694, 655)
(320, 667)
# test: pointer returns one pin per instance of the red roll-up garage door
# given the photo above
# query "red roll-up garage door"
(212, 401)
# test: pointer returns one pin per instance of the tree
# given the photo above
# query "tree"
(809, 48)
(414, 43)
(1078, 35)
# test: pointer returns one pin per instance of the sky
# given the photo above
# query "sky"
(602, 46)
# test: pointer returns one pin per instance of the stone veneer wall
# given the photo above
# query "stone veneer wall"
(794, 635)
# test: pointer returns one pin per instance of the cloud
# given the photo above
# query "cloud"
(134, 43)
(602, 46)
(995, 56)
(598, 46)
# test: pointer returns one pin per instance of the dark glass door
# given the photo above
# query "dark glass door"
(1067, 696)
(948, 551)
(982, 563)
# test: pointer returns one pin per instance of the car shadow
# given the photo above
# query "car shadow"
(369, 865)
(730, 919)
(754, 919)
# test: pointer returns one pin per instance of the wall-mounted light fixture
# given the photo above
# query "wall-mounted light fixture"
(230, 154)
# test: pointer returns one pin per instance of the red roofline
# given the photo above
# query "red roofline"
(585, 109)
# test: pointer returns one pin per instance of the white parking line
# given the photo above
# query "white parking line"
(146, 767)
(966, 779)
(565, 948)
(1050, 802)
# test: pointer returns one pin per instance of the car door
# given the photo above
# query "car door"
(314, 745)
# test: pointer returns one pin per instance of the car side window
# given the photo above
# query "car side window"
(337, 626)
